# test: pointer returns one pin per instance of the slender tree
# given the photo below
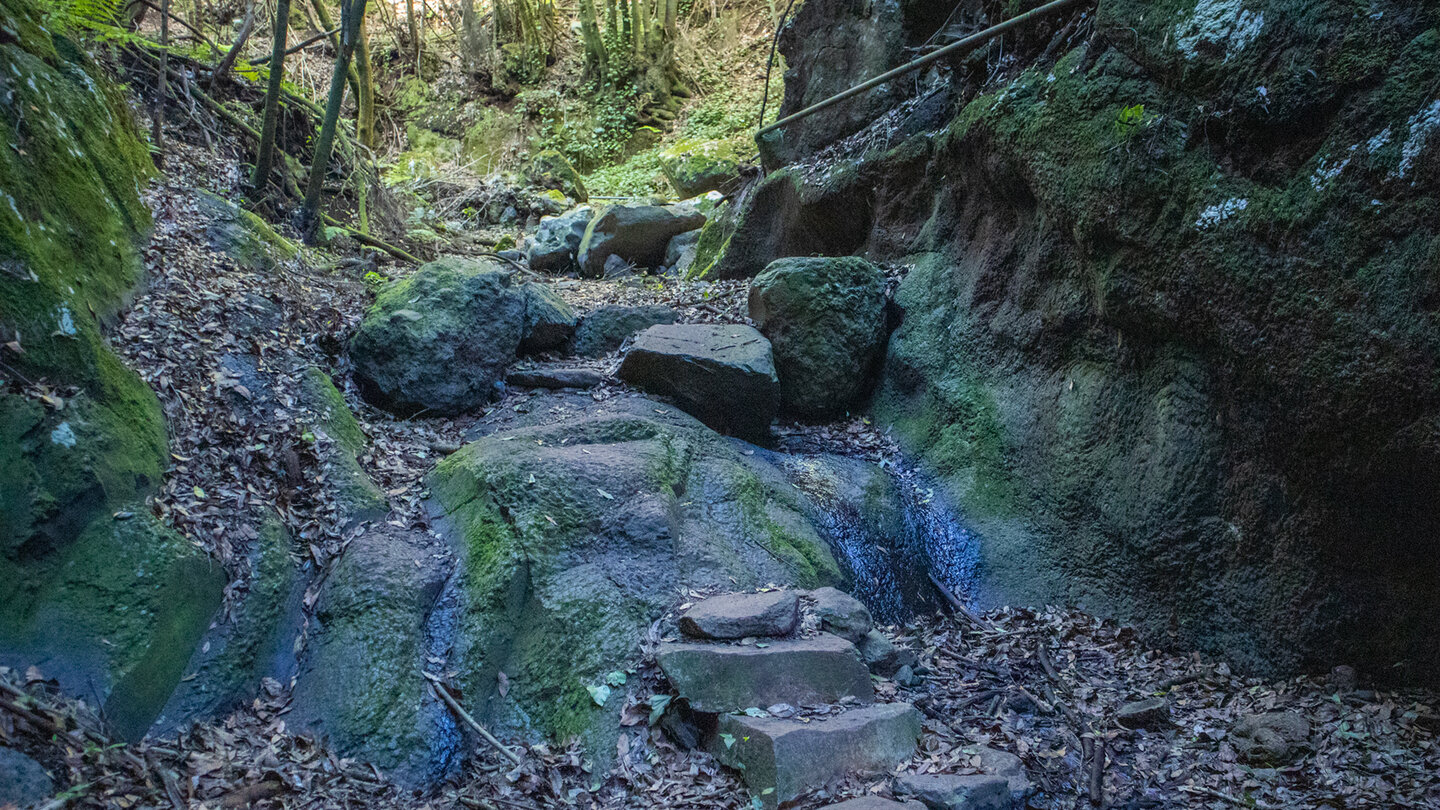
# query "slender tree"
(595, 57)
(327, 24)
(241, 38)
(352, 13)
(263, 160)
(365, 95)
(162, 86)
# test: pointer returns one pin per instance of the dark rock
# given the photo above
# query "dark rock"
(957, 792)
(882, 655)
(1343, 679)
(557, 241)
(607, 328)
(361, 683)
(555, 378)
(512, 254)
(908, 678)
(550, 169)
(549, 321)
(722, 374)
(23, 781)
(1272, 738)
(1151, 713)
(638, 234)
(1002, 763)
(680, 253)
(790, 757)
(841, 614)
(726, 678)
(873, 803)
(740, 615)
(242, 237)
(440, 340)
(826, 319)
(616, 267)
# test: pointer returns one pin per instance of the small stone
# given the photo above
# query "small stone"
(1343, 679)
(1151, 713)
(957, 792)
(995, 762)
(23, 781)
(1273, 737)
(906, 677)
(604, 330)
(737, 615)
(841, 614)
(549, 321)
(882, 656)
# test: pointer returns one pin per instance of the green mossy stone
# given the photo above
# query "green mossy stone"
(340, 441)
(561, 581)
(119, 610)
(695, 167)
(549, 169)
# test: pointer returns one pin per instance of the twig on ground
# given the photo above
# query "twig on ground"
(439, 686)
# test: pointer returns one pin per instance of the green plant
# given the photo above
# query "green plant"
(1130, 120)
(374, 280)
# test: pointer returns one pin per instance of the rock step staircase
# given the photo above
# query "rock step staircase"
(785, 676)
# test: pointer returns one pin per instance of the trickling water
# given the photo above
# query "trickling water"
(890, 544)
(441, 630)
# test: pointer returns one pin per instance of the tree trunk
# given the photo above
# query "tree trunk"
(157, 119)
(323, 14)
(231, 55)
(414, 34)
(637, 26)
(594, 45)
(365, 98)
(272, 98)
(352, 12)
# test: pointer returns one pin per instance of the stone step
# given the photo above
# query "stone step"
(957, 792)
(873, 803)
(742, 615)
(781, 759)
(729, 678)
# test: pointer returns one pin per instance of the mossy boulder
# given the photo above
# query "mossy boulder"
(695, 167)
(825, 318)
(550, 169)
(91, 587)
(339, 441)
(440, 340)
(244, 238)
(576, 534)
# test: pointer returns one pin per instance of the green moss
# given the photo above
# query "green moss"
(340, 443)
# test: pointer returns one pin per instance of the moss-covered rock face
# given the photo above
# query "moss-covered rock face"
(575, 537)
(1170, 332)
(109, 601)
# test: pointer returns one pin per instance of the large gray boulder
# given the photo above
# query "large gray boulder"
(557, 241)
(638, 234)
(728, 678)
(607, 328)
(722, 374)
(439, 340)
(825, 318)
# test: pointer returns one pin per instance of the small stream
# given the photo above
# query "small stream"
(889, 542)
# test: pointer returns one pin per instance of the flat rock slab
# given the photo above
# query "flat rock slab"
(741, 615)
(1151, 713)
(722, 374)
(995, 762)
(957, 792)
(873, 803)
(555, 378)
(789, 757)
(724, 678)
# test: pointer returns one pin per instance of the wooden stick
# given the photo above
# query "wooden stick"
(1097, 772)
(959, 606)
(367, 239)
(439, 686)
(265, 60)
